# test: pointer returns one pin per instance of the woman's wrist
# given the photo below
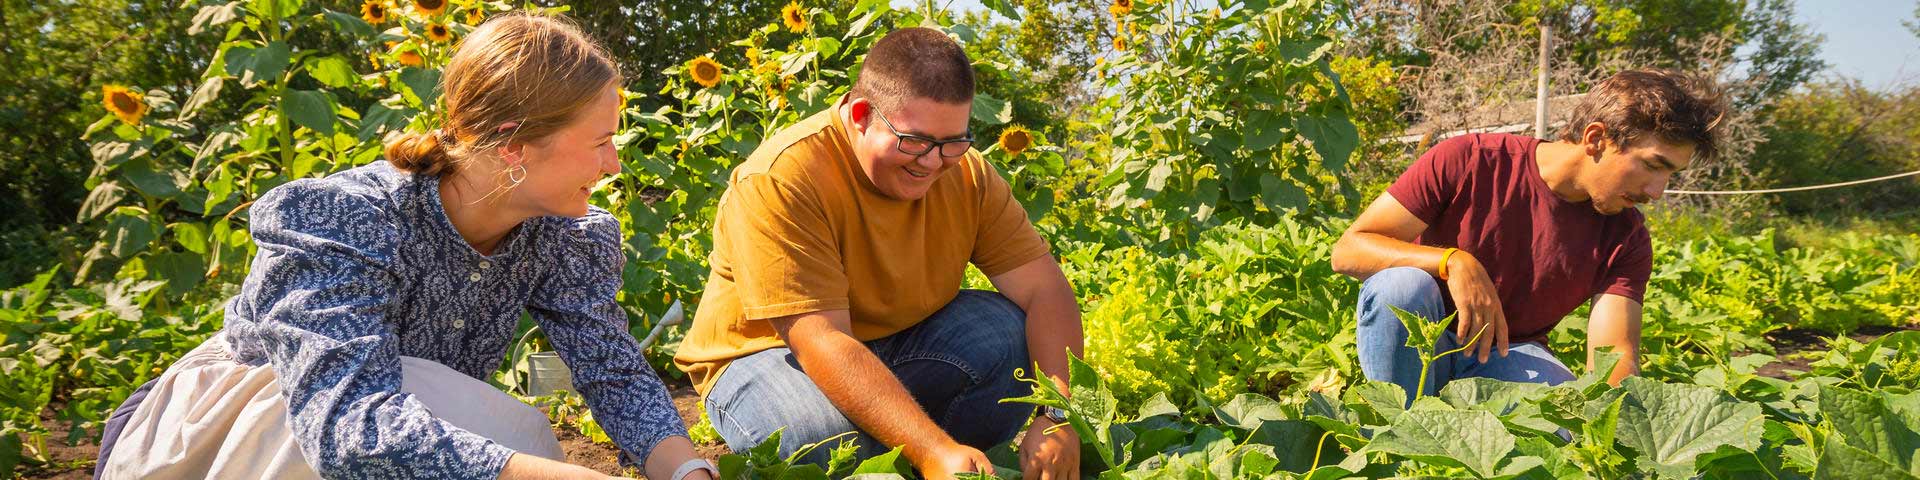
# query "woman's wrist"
(691, 466)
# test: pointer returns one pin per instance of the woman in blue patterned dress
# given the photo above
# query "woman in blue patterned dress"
(382, 295)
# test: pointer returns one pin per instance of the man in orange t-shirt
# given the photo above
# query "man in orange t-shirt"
(834, 305)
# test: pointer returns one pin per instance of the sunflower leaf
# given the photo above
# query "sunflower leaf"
(991, 111)
(332, 71)
(213, 15)
(348, 23)
(1003, 7)
(255, 65)
(309, 108)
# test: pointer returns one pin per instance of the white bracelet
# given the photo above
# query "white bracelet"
(695, 464)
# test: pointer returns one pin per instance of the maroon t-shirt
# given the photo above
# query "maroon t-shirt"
(1483, 194)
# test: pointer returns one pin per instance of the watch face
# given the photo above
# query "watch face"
(1056, 414)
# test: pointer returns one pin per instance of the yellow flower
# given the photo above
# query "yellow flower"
(438, 32)
(1015, 140)
(374, 11)
(412, 59)
(476, 17)
(429, 7)
(794, 17)
(753, 56)
(705, 71)
(124, 103)
(1327, 383)
(374, 59)
(1120, 7)
(1119, 43)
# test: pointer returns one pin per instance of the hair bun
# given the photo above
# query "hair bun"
(419, 152)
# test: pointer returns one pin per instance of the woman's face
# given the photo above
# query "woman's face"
(563, 168)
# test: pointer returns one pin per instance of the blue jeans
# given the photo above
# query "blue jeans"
(958, 364)
(1385, 356)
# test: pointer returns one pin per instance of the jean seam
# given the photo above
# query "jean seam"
(973, 378)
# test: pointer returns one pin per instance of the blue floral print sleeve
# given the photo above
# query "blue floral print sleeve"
(362, 267)
(576, 308)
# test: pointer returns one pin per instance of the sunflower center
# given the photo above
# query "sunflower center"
(705, 70)
(1018, 141)
(124, 102)
(430, 4)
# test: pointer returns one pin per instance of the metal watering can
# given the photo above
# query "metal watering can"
(546, 373)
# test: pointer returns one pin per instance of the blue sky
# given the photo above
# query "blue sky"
(1865, 39)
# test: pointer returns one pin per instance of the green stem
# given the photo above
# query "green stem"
(285, 134)
(1420, 389)
(1319, 447)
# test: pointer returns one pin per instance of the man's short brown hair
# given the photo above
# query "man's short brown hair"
(914, 62)
(1678, 107)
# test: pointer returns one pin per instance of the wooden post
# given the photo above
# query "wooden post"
(1540, 95)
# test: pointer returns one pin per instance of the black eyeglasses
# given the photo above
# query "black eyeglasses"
(917, 145)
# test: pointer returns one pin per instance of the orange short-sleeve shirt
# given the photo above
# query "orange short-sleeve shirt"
(801, 229)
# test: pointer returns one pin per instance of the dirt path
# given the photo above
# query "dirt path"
(605, 458)
(1796, 350)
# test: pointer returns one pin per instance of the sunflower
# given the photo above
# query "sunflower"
(439, 33)
(374, 59)
(124, 103)
(429, 7)
(476, 17)
(411, 59)
(794, 17)
(1120, 7)
(753, 56)
(1119, 43)
(705, 71)
(1015, 140)
(374, 11)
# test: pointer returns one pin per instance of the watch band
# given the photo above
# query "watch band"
(695, 464)
(1056, 414)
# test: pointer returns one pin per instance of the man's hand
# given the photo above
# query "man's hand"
(1477, 304)
(1054, 456)
(944, 461)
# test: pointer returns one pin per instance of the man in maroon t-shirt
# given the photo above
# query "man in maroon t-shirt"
(1509, 233)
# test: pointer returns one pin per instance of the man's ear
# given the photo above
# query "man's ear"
(1594, 140)
(859, 114)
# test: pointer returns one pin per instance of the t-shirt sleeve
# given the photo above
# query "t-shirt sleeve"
(1006, 239)
(785, 261)
(1429, 184)
(1631, 265)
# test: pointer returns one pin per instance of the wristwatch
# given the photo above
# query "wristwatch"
(1056, 414)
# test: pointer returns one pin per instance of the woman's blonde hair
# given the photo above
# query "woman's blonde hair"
(518, 77)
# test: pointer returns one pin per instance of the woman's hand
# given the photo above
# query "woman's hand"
(1477, 303)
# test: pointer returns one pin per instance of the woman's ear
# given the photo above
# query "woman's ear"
(510, 152)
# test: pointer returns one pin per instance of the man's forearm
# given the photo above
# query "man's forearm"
(1362, 254)
(1629, 361)
(865, 390)
(1053, 328)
